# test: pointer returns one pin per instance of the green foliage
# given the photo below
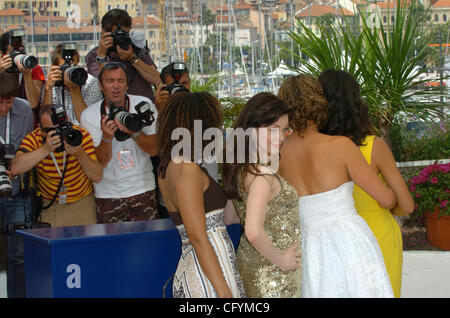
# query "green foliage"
(231, 108)
(429, 141)
(385, 59)
(210, 84)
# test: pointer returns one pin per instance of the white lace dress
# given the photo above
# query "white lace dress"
(340, 254)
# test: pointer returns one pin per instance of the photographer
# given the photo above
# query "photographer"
(66, 164)
(59, 88)
(117, 45)
(16, 121)
(31, 80)
(126, 192)
(176, 72)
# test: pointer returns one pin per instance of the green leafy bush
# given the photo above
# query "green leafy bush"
(428, 141)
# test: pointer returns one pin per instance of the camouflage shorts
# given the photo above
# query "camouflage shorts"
(136, 208)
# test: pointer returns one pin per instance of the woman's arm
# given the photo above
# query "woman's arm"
(382, 157)
(258, 197)
(364, 176)
(229, 214)
(189, 187)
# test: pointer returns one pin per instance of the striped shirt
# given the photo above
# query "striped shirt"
(76, 182)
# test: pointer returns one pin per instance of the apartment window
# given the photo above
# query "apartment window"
(109, 7)
(56, 4)
(126, 7)
(436, 18)
(385, 19)
(68, 3)
(444, 18)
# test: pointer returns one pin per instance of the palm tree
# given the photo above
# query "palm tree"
(386, 59)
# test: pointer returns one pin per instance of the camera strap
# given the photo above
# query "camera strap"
(8, 129)
(60, 182)
(56, 163)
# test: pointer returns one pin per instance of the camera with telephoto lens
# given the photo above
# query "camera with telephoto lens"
(7, 153)
(65, 130)
(177, 73)
(76, 74)
(17, 54)
(133, 121)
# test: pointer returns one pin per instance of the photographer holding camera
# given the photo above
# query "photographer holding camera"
(119, 43)
(28, 74)
(16, 121)
(123, 128)
(64, 156)
(174, 77)
(69, 84)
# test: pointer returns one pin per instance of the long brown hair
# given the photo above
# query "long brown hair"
(261, 110)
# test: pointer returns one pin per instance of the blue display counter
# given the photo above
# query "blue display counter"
(131, 259)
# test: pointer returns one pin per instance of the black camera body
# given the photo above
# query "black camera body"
(177, 73)
(144, 116)
(76, 74)
(120, 38)
(65, 129)
(17, 55)
(7, 153)
(123, 40)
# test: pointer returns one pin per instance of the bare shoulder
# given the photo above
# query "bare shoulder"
(183, 172)
(339, 142)
(381, 153)
(379, 145)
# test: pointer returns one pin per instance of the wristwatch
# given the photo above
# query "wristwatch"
(101, 59)
(133, 60)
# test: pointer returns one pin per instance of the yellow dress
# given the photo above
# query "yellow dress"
(382, 224)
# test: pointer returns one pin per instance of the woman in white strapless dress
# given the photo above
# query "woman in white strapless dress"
(340, 254)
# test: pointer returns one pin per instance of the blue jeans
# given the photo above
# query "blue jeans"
(14, 210)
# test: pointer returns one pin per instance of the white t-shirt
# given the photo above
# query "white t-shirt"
(130, 170)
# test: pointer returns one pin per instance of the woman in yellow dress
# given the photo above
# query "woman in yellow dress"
(348, 116)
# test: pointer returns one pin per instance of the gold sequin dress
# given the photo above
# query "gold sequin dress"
(262, 278)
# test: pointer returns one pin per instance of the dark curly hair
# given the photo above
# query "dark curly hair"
(347, 114)
(304, 96)
(182, 109)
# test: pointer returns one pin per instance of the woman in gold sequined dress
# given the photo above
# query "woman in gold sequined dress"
(268, 257)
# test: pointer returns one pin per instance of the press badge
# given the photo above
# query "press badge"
(62, 195)
(125, 159)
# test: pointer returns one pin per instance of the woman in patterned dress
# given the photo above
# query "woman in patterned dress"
(196, 203)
